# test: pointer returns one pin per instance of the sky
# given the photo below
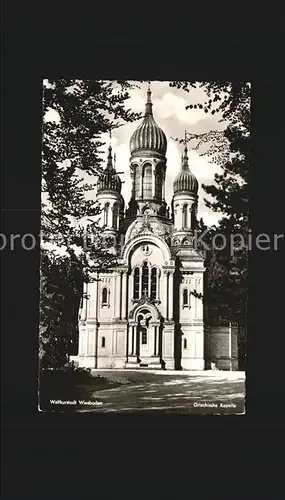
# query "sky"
(170, 114)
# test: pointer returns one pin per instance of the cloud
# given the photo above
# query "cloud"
(173, 106)
(170, 114)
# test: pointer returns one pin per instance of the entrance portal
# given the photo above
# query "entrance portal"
(145, 332)
(147, 336)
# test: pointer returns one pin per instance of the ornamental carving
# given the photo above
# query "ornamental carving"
(146, 249)
(144, 301)
(186, 281)
(145, 228)
(106, 280)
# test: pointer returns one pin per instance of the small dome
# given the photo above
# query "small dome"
(185, 180)
(148, 136)
(109, 180)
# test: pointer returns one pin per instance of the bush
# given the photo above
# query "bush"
(66, 383)
(69, 383)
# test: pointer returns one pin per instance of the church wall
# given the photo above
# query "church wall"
(92, 293)
(192, 346)
(194, 308)
(87, 347)
(221, 347)
(106, 302)
(106, 351)
(155, 257)
(108, 200)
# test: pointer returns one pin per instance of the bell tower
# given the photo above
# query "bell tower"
(148, 166)
(109, 198)
(184, 202)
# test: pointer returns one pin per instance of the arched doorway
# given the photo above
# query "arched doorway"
(145, 336)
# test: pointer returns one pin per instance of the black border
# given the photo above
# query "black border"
(36, 49)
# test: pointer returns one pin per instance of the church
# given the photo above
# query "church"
(143, 314)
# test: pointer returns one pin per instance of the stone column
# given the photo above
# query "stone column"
(180, 225)
(190, 217)
(140, 287)
(170, 296)
(163, 188)
(200, 302)
(137, 342)
(130, 341)
(133, 184)
(158, 278)
(165, 298)
(131, 286)
(118, 296)
(150, 340)
(113, 301)
(155, 341)
(124, 294)
(141, 182)
(153, 179)
(85, 303)
(133, 341)
(91, 303)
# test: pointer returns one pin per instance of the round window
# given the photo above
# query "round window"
(146, 249)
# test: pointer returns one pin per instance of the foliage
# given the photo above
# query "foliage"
(226, 276)
(69, 382)
(76, 113)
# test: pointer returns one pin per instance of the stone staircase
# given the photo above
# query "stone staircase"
(148, 364)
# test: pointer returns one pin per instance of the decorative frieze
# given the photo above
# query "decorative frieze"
(106, 280)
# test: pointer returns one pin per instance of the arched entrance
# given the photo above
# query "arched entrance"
(144, 346)
(147, 335)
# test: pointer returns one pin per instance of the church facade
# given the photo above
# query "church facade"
(143, 313)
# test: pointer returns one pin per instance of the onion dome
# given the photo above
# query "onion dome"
(109, 180)
(148, 136)
(185, 180)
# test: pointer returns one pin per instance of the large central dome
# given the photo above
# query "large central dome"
(148, 136)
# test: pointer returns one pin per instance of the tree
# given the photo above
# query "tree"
(80, 111)
(226, 274)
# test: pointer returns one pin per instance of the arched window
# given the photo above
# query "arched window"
(147, 181)
(193, 216)
(153, 283)
(185, 216)
(136, 180)
(158, 183)
(104, 297)
(115, 216)
(144, 335)
(106, 214)
(185, 297)
(137, 283)
(145, 276)
(103, 342)
(185, 344)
